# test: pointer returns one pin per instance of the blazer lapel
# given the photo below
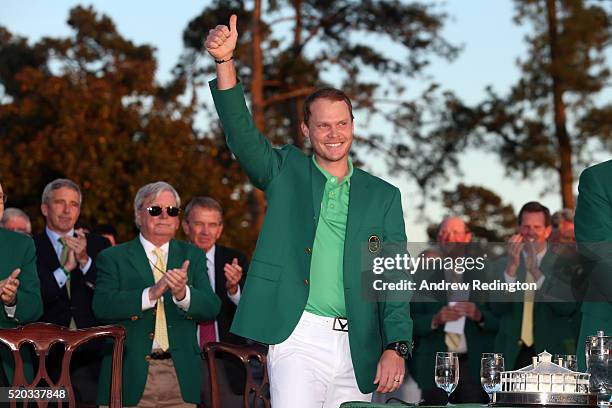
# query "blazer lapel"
(318, 186)
(140, 262)
(219, 273)
(47, 253)
(358, 203)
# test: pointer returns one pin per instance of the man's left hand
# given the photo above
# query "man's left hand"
(177, 281)
(390, 371)
(79, 245)
(233, 274)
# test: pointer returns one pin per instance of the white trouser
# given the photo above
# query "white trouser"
(313, 367)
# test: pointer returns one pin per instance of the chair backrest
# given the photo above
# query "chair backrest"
(44, 335)
(254, 393)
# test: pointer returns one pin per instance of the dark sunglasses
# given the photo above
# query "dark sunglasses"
(156, 210)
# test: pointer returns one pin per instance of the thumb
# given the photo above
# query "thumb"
(235, 262)
(377, 379)
(15, 273)
(233, 21)
(185, 264)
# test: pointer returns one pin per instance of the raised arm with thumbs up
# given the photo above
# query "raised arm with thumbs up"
(220, 44)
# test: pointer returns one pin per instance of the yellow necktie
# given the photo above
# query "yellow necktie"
(63, 259)
(161, 330)
(452, 341)
(527, 324)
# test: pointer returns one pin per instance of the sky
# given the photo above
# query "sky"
(491, 45)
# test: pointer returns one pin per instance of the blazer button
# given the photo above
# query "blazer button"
(308, 250)
(154, 309)
(306, 282)
(151, 336)
(134, 318)
(189, 318)
(147, 357)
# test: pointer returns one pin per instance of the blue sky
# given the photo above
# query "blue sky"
(491, 45)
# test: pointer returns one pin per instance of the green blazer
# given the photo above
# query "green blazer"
(554, 322)
(593, 229)
(480, 337)
(277, 285)
(17, 251)
(123, 273)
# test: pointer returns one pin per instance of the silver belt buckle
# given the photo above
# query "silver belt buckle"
(340, 324)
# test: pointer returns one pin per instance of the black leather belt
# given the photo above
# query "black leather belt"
(160, 355)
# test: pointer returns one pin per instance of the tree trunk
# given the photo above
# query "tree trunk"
(565, 147)
(297, 103)
(258, 201)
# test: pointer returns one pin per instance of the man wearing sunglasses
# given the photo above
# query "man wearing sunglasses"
(303, 294)
(66, 264)
(20, 301)
(155, 287)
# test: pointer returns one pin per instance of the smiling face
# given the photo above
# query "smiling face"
(62, 210)
(533, 228)
(161, 229)
(330, 129)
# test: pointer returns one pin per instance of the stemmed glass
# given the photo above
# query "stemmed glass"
(491, 367)
(447, 371)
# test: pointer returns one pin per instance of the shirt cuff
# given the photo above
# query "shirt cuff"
(10, 311)
(235, 298)
(509, 279)
(146, 302)
(87, 266)
(184, 304)
(540, 281)
(60, 277)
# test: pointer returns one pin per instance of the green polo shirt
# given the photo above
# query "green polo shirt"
(326, 297)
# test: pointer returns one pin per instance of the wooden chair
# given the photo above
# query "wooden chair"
(254, 393)
(44, 335)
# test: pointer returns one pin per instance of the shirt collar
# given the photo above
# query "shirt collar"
(54, 236)
(328, 176)
(150, 247)
(210, 254)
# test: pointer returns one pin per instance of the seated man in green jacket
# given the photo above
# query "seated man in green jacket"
(303, 293)
(19, 288)
(465, 309)
(157, 288)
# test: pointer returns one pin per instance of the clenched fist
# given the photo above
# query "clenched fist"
(221, 41)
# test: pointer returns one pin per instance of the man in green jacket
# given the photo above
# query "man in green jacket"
(155, 287)
(303, 294)
(593, 227)
(19, 287)
(529, 324)
(458, 308)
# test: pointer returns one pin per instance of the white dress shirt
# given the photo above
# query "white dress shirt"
(149, 249)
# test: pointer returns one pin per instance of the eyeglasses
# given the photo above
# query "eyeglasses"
(3, 198)
(156, 210)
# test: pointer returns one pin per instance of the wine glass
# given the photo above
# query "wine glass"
(447, 371)
(491, 367)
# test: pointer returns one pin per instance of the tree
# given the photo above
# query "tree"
(550, 120)
(306, 41)
(487, 217)
(87, 107)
